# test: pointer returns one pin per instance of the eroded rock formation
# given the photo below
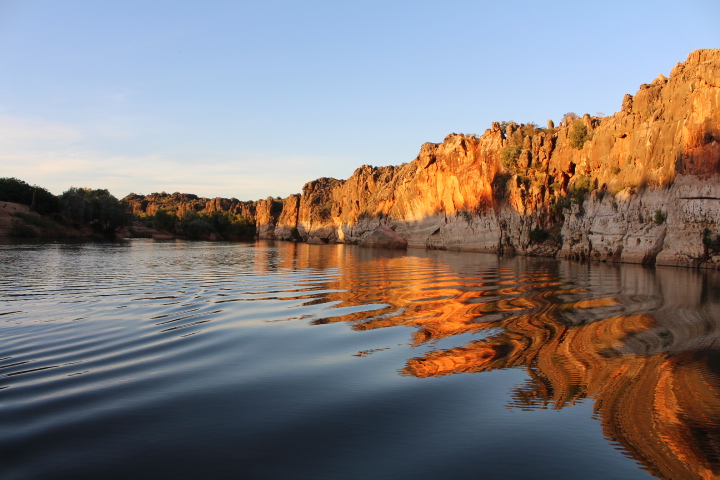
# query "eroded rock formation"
(182, 203)
(639, 186)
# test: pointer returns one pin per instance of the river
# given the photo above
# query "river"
(149, 359)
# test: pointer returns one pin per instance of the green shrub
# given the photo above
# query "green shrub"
(712, 245)
(660, 217)
(530, 129)
(509, 156)
(75, 206)
(95, 207)
(108, 214)
(20, 229)
(582, 186)
(226, 224)
(560, 204)
(162, 220)
(37, 220)
(240, 226)
(537, 235)
(194, 225)
(579, 134)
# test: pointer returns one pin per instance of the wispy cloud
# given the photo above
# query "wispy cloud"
(27, 133)
(57, 156)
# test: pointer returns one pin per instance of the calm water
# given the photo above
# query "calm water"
(281, 361)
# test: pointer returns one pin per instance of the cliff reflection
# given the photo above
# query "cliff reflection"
(641, 343)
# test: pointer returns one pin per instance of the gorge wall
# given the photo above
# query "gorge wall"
(640, 186)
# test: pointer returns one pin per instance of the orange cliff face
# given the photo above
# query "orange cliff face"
(650, 172)
(639, 186)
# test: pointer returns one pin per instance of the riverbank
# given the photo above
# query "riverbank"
(20, 221)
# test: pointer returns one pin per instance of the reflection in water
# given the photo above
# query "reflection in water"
(641, 343)
(129, 333)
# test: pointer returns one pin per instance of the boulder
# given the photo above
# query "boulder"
(383, 237)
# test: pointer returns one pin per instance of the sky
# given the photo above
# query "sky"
(251, 99)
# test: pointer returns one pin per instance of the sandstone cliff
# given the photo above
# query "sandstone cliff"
(182, 203)
(639, 186)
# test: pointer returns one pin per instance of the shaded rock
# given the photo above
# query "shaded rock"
(316, 241)
(383, 237)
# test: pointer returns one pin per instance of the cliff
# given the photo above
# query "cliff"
(639, 186)
(182, 203)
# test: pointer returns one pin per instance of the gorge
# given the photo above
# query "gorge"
(639, 186)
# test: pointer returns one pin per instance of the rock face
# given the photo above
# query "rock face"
(286, 225)
(182, 203)
(639, 186)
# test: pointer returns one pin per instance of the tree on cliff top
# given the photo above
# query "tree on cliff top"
(569, 117)
(509, 156)
(579, 134)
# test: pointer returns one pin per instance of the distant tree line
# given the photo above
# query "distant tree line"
(99, 209)
(94, 207)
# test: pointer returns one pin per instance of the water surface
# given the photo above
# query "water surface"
(275, 360)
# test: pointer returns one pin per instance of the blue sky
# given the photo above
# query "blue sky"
(250, 99)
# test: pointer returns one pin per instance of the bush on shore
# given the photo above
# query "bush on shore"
(94, 207)
(17, 191)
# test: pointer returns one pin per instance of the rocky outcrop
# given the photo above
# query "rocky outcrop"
(639, 186)
(183, 203)
(383, 237)
(286, 224)
(663, 226)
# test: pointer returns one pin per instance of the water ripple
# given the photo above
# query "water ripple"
(122, 331)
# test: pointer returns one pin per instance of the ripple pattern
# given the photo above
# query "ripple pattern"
(98, 341)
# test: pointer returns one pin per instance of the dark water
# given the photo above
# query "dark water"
(205, 360)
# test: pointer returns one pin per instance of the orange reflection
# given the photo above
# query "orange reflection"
(618, 340)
